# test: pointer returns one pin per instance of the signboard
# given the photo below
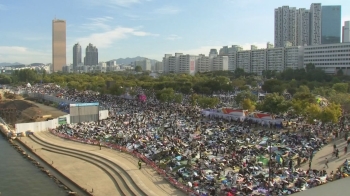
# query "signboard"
(192, 65)
(62, 120)
(83, 104)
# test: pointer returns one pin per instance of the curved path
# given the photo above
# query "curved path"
(146, 178)
(319, 159)
(123, 182)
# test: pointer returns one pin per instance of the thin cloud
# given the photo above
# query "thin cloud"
(167, 10)
(114, 3)
(23, 55)
(96, 24)
(173, 37)
(106, 39)
(136, 17)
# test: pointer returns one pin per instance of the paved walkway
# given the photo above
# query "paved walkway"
(147, 178)
(319, 160)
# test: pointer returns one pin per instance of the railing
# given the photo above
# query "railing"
(160, 171)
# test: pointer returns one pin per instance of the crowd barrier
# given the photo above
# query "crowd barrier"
(154, 166)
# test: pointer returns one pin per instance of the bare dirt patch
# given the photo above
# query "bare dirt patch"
(29, 111)
(26, 112)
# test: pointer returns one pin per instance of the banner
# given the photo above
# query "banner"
(62, 120)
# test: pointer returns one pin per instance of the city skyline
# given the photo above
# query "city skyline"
(149, 28)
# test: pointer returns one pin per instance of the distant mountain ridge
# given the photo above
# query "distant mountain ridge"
(127, 61)
(4, 64)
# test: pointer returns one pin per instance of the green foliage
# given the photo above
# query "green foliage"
(138, 68)
(178, 98)
(313, 112)
(5, 79)
(25, 76)
(166, 95)
(245, 95)
(341, 87)
(331, 113)
(273, 86)
(247, 104)
(274, 104)
(208, 102)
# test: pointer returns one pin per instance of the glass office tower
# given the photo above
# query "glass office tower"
(331, 24)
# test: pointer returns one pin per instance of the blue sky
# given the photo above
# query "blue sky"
(149, 28)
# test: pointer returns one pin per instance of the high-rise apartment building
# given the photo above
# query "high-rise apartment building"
(231, 52)
(303, 27)
(257, 60)
(285, 25)
(58, 44)
(331, 24)
(316, 24)
(158, 67)
(166, 63)
(91, 55)
(145, 64)
(220, 63)
(243, 60)
(203, 63)
(346, 32)
(76, 56)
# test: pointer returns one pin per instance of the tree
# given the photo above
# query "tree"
(313, 112)
(274, 104)
(117, 90)
(238, 83)
(299, 106)
(208, 102)
(247, 104)
(273, 86)
(238, 72)
(309, 67)
(341, 87)
(138, 68)
(307, 97)
(5, 79)
(245, 95)
(178, 98)
(303, 89)
(194, 99)
(166, 95)
(330, 113)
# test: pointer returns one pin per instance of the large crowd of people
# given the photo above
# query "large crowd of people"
(209, 154)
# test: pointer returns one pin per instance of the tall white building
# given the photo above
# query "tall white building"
(293, 57)
(303, 27)
(316, 23)
(243, 60)
(220, 63)
(275, 59)
(187, 64)
(158, 67)
(285, 25)
(346, 32)
(180, 63)
(329, 57)
(166, 63)
(257, 60)
(203, 63)
(145, 64)
(231, 52)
